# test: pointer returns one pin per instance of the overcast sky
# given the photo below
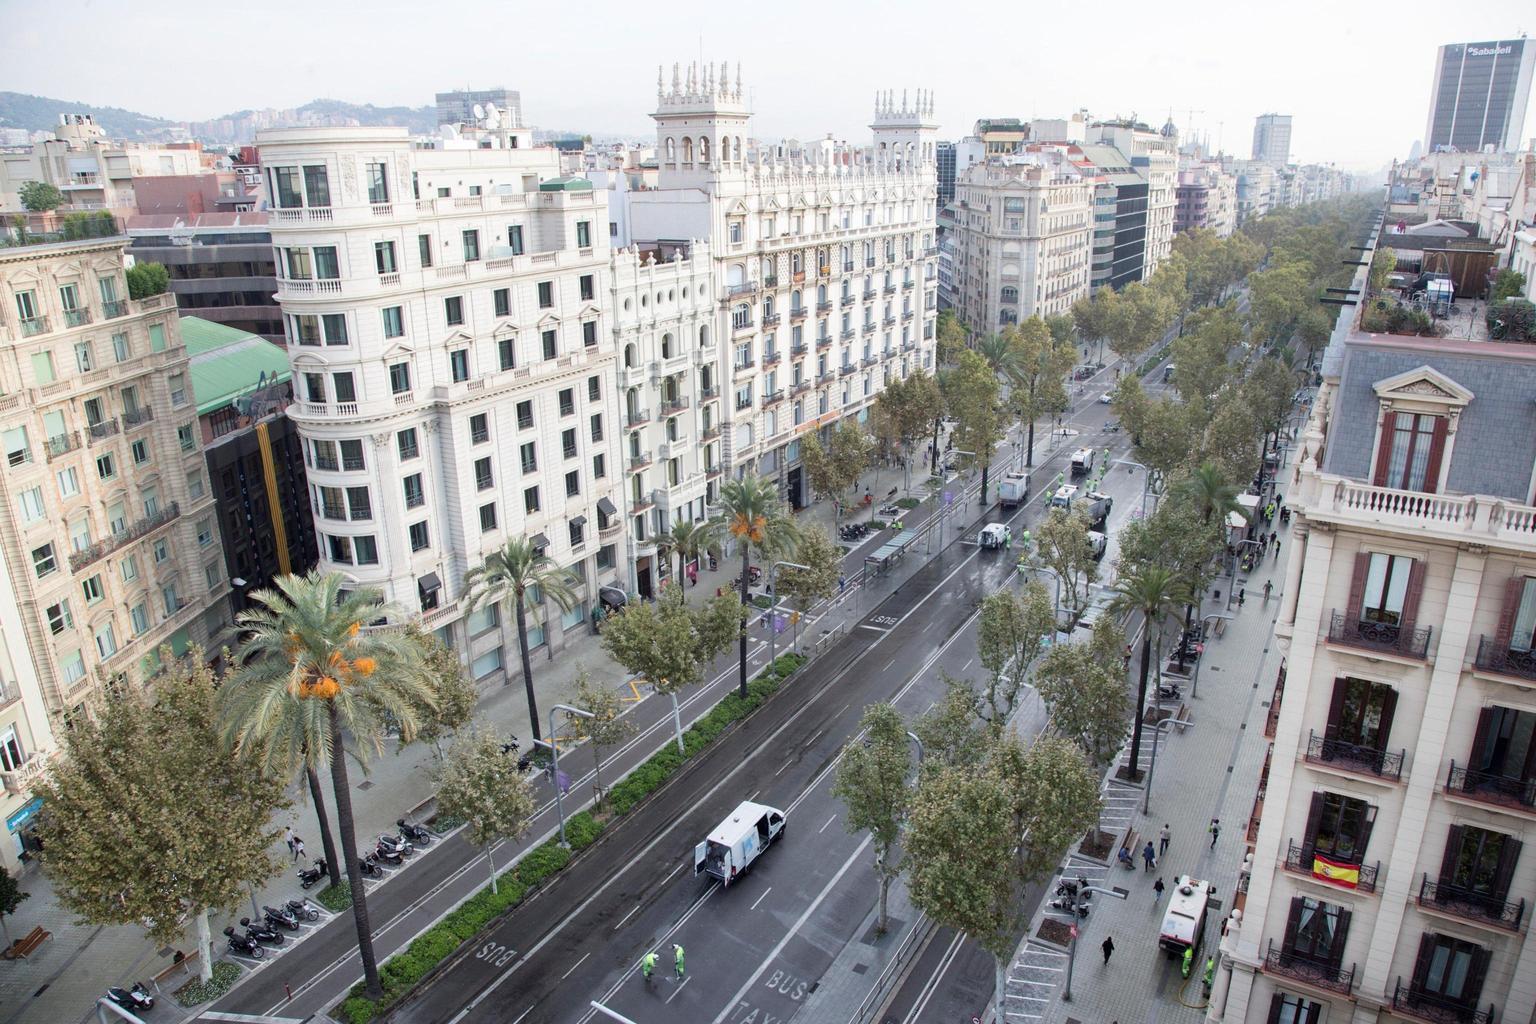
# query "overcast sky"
(1354, 75)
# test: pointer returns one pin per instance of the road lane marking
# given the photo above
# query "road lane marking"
(968, 665)
(762, 897)
(793, 931)
(781, 769)
(626, 917)
(678, 989)
(932, 984)
(575, 965)
(888, 665)
(824, 827)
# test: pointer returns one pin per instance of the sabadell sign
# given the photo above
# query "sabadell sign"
(1490, 51)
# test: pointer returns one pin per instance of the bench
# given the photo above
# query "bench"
(177, 974)
(27, 944)
(1128, 844)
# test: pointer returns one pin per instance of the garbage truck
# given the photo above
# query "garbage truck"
(1183, 925)
(1014, 489)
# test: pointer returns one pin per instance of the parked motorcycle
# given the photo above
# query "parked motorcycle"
(262, 933)
(399, 844)
(388, 854)
(135, 1000)
(244, 945)
(369, 866)
(415, 833)
(1065, 905)
(1168, 693)
(1074, 887)
(280, 917)
(303, 910)
(309, 876)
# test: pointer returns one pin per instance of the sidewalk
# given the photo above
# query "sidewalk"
(62, 979)
(1141, 983)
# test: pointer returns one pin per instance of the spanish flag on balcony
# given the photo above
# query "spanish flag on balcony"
(1337, 872)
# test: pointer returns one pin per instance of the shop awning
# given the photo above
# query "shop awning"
(606, 507)
(612, 597)
(429, 583)
(579, 521)
(539, 542)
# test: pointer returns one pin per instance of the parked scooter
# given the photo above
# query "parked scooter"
(399, 844)
(388, 854)
(1169, 692)
(262, 933)
(280, 917)
(303, 910)
(244, 945)
(369, 866)
(135, 1000)
(1065, 905)
(1074, 887)
(415, 833)
(309, 876)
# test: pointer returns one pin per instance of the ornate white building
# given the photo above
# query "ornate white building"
(823, 253)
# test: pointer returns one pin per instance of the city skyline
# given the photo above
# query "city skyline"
(1195, 73)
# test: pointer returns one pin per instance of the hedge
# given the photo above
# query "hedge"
(405, 970)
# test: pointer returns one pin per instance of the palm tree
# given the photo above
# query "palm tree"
(1207, 490)
(309, 675)
(686, 539)
(751, 512)
(997, 350)
(519, 577)
(1154, 591)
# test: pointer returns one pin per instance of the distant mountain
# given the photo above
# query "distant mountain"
(41, 113)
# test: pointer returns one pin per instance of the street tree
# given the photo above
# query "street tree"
(1269, 392)
(669, 643)
(1144, 315)
(818, 580)
(39, 196)
(1038, 366)
(1014, 629)
(1083, 688)
(949, 337)
(872, 784)
(998, 351)
(1063, 329)
(1098, 317)
(685, 539)
(606, 728)
(952, 731)
(147, 820)
(480, 785)
(11, 899)
(1154, 592)
(449, 696)
(905, 410)
(1171, 282)
(972, 400)
(1230, 438)
(308, 677)
(835, 466)
(967, 866)
(1277, 297)
(1062, 545)
(518, 578)
(1202, 356)
(753, 515)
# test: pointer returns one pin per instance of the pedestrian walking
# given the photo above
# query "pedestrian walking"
(1274, 537)
(298, 849)
(1147, 856)
(1209, 978)
(1164, 837)
(1215, 831)
(1157, 890)
(288, 838)
(1108, 947)
(1277, 551)
(1242, 595)
(677, 957)
(648, 965)
(842, 583)
(1269, 585)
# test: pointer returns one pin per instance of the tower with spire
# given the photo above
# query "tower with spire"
(905, 131)
(702, 124)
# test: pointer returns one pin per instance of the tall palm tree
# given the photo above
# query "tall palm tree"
(308, 675)
(519, 577)
(1208, 491)
(997, 350)
(751, 512)
(687, 540)
(1154, 591)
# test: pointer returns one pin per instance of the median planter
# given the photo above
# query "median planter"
(435, 948)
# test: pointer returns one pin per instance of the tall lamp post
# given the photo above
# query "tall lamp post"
(773, 598)
(554, 750)
(1157, 729)
(1146, 480)
(1066, 994)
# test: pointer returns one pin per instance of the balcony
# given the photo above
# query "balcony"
(743, 365)
(890, 289)
(931, 250)
(869, 327)
(639, 462)
(35, 326)
(848, 299)
(642, 504)
(743, 402)
(906, 315)
(890, 321)
(796, 351)
(746, 288)
(799, 389)
(611, 527)
(1489, 788)
(847, 369)
(101, 549)
(708, 394)
(871, 360)
(1309, 972)
(848, 333)
(674, 405)
(19, 782)
(908, 283)
(301, 214)
(770, 280)
(100, 431)
(869, 261)
(713, 472)
(1471, 906)
(77, 317)
(1435, 1009)
(797, 314)
(114, 309)
(773, 397)
(1494, 657)
(741, 326)
(1351, 757)
(1303, 862)
(869, 295)
(848, 266)
(636, 417)
(1453, 518)
(709, 434)
(61, 444)
(824, 307)
(770, 319)
(772, 358)
(825, 341)
(137, 417)
(1351, 631)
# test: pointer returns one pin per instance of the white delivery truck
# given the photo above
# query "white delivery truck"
(994, 535)
(1014, 489)
(738, 841)
(1184, 922)
(1095, 506)
(1082, 461)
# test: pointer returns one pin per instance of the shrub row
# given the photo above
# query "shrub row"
(405, 970)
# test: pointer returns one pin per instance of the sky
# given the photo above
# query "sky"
(1354, 76)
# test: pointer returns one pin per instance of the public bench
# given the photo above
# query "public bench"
(27, 944)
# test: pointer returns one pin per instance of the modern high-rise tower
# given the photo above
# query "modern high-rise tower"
(1479, 95)
(1272, 139)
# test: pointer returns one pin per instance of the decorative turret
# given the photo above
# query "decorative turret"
(702, 124)
(905, 133)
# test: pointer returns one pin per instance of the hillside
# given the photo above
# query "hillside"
(41, 113)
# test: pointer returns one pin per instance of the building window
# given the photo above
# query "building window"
(550, 348)
(483, 619)
(1448, 970)
(59, 618)
(568, 442)
(594, 389)
(486, 664)
(92, 590)
(106, 640)
(211, 575)
(515, 239)
(186, 438)
(138, 618)
(599, 467)
(458, 365)
(531, 500)
(31, 502)
(506, 352)
(129, 568)
(72, 667)
(205, 531)
(400, 378)
(424, 249)
(384, 257)
(453, 310)
(394, 322)
(501, 298)
(567, 402)
(546, 294)
(120, 348)
(488, 517)
(69, 482)
(418, 535)
(524, 415)
(484, 479)
(405, 443)
(479, 428)
(588, 288)
(597, 426)
(1386, 587)
(572, 484)
(367, 550)
(589, 333)
(578, 531)
(529, 457)
(414, 495)
(1412, 445)
(140, 452)
(471, 245)
(607, 556)
(583, 234)
(1338, 827)
(352, 456)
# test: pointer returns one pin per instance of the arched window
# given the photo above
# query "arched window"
(687, 150)
(821, 294)
(671, 151)
(741, 316)
(767, 305)
(629, 355)
(703, 337)
(666, 346)
(703, 149)
(738, 147)
(794, 300)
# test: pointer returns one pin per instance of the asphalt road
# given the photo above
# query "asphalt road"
(759, 946)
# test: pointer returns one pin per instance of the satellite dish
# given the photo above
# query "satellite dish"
(479, 112)
(450, 131)
(492, 117)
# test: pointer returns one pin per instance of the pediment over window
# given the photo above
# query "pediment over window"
(771, 204)
(458, 337)
(737, 208)
(1422, 385)
(591, 311)
(399, 350)
(547, 321)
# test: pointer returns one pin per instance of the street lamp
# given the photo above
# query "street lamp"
(554, 750)
(1056, 607)
(1194, 685)
(773, 603)
(1146, 480)
(1156, 729)
(1066, 995)
(1235, 560)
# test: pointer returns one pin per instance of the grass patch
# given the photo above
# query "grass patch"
(336, 898)
(197, 992)
(403, 971)
(908, 503)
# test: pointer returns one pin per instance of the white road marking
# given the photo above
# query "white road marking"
(762, 897)
(575, 965)
(967, 666)
(678, 989)
(824, 827)
(626, 917)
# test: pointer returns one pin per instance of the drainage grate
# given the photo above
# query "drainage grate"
(860, 968)
(367, 784)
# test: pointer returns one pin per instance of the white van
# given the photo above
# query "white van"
(1184, 922)
(738, 841)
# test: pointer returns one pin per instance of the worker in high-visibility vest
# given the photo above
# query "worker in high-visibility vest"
(1189, 961)
(1210, 975)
